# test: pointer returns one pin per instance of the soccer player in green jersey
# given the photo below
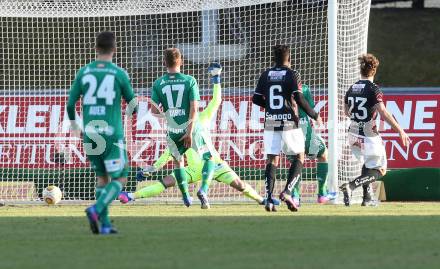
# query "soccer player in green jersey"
(315, 148)
(178, 96)
(222, 172)
(102, 84)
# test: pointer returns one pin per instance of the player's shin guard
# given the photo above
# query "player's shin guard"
(111, 191)
(293, 176)
(251, 193)
(269, 177)
(322, 175)
(207, 174)
(150, 191)
(368, 176)
(182, 181)
(103, 217)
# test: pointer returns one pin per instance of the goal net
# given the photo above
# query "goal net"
(45, 42)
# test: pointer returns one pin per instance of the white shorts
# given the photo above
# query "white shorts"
(291, 142)
(369, 149)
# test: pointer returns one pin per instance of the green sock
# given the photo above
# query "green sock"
(322, 174)
(110, 192)
(182, 181)
(207, 173)
(251, 193)
(150, 191)
(104, 217)
(297, 190)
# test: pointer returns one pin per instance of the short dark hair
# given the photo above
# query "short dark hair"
(281, 53)
(171, 56)
(105, 42)
(368, 64)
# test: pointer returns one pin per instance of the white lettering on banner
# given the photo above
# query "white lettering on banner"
(257, 115)
(402, 117)
(421, 115)
(147, 116)
(1, 111)
(12, 127)
(54, 119)
(229, 113)
(395, 145)
(416, 151)
(33, 119)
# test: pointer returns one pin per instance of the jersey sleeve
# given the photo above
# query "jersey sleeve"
(376, 96)
(211, 109)
(308, 95)
(128, 93)
(154, 95)
(126, 88)
(297, 84)
(346, 97)
(259, 90)
(194, 94)
(163, 159)
(74, 95)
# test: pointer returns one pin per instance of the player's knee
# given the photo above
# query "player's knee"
(238, 185)
(169, 181)
(383, 172)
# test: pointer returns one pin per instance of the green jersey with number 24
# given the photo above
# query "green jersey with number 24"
(175, 93)
(101, 84)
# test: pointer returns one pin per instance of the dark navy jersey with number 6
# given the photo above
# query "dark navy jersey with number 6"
(277, 86)
(361, 100)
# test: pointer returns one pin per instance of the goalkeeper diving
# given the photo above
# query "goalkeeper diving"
(222, 172)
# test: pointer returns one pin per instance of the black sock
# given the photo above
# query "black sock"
(368, 176)
(294, 174)
(366, 191)
(269, 177)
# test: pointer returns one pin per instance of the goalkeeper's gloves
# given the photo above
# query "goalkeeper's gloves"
(215, 69)
(146, 172)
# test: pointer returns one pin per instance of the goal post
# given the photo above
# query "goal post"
(43, 43)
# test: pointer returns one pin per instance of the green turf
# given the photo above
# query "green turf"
(227, 236)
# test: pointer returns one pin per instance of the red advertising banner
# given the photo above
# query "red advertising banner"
(34, 132)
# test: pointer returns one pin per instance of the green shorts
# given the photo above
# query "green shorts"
(113, 161)
(315, 145)
(222, 173)
(200, 145)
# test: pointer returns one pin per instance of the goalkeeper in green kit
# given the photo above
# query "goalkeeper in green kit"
(194, 167)
(102, 85)
(175, 96)
(315, 149)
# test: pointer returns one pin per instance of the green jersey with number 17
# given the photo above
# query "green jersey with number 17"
(175, 92)
(101, 84)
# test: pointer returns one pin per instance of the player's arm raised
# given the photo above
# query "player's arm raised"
(210, 111)
(388, 118)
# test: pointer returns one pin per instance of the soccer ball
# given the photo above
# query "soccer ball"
(52, 195)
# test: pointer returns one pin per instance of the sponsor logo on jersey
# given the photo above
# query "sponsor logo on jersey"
(275, 75)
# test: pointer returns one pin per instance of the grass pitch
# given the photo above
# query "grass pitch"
(394, 235)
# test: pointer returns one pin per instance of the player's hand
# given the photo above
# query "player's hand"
(404, 138)
(215, 70)
(187, 140)
(319, 121)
